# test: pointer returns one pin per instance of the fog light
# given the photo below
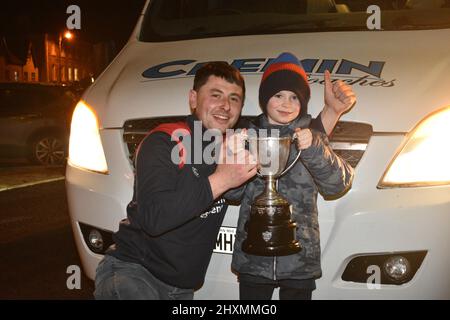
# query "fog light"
(95, 240)
(397, 268)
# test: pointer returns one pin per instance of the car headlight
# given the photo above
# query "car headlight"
(424, 158)
(85, 145)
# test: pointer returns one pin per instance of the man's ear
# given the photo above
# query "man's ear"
(192, 100)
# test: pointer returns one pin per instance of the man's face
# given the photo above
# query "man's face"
(217, 103)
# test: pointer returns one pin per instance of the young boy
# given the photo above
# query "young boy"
(283, 96)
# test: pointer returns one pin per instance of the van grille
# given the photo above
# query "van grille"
(135, 130)
(349, 139)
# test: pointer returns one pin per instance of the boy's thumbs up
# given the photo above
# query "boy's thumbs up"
(328, 86)
(338, 96)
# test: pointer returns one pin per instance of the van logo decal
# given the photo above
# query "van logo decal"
(351, 72)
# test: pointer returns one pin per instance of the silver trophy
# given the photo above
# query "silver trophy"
(270, 229)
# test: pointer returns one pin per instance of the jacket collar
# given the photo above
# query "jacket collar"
(261, 122)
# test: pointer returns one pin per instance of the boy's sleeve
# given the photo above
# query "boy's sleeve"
(166, 196)
(316, 124)
(332, 174)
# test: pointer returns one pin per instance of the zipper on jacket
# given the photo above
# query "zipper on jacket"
(274, 268)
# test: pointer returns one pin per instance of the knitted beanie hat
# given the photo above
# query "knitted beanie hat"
(285, 73)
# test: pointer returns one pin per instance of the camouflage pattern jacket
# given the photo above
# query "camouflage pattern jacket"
(318, 170)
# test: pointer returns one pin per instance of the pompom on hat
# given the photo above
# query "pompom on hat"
(285, 73)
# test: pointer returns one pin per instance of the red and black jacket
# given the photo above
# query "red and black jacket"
(172, 221)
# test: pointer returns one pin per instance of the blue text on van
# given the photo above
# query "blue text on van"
(258, 65)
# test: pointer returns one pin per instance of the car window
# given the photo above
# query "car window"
(42, 97)
(19, 100)
(168, 20)
(12, 102)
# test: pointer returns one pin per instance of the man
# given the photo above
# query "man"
(163, 248)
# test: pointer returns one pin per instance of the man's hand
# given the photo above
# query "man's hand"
(231, 172)
(339, 98)
(236, 142)
(304, 138)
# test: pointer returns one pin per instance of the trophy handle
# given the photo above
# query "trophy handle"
(247, 147)
(294, 137)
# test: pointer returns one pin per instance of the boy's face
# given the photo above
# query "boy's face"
(217, 103)
(283, 107)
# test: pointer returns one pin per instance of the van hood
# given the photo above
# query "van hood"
(398, 76)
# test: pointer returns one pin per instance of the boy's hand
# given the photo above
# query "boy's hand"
(304, 138)
(339, 97)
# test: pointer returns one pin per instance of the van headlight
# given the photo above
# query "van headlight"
(85, 145)
(424, 158)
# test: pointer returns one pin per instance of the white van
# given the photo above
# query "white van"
(388, 238)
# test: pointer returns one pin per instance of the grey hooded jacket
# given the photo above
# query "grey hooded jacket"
(318, 170)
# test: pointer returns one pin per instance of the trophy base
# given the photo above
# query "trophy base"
(271, 234)
(270, 251)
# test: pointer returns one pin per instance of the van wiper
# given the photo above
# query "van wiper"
(269, 27)
(305, 24)
(407, 23)
(224, 12)
(301, 25)
(238, 30)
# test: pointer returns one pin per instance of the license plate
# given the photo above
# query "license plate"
(225, 240)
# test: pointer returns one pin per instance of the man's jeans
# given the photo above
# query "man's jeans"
(119, 280)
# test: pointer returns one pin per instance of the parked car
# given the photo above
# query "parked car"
(35, 122)
(385, 239)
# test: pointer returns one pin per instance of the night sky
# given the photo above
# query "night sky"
(101, 20)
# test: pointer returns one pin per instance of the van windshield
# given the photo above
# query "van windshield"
(168, 20)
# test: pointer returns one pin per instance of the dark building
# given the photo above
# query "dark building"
(46, 58)
(17, 62)
(104, 53)
(63, 61)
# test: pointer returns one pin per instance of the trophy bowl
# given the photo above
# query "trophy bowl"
(270, 229)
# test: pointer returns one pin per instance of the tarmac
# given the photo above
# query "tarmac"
(17, 174)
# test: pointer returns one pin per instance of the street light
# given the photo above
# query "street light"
(67, 35)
